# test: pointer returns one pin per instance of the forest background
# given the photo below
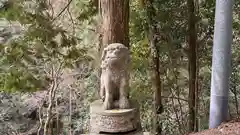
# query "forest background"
(55, 46)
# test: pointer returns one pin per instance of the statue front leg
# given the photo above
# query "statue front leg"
(102, 89)
(124, 91)
(108, 101)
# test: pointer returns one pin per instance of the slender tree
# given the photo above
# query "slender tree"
(192, 66)
(221, 62)
(154, 64)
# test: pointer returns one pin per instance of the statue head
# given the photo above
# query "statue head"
(115, 55)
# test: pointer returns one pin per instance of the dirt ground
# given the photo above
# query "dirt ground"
(229, 128)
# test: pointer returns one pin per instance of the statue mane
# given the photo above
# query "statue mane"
(119, 46)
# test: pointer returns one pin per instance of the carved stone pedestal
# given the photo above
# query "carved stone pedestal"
(131, 133)
(120, 121)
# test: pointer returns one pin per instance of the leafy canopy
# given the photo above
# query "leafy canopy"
(24, 59)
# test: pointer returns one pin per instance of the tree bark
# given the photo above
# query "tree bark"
(115, 15)
(197, 87)
(192, 66)
(100, 42)
(155, 65)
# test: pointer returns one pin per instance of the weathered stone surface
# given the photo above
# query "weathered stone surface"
(115, 76)
(113, 121)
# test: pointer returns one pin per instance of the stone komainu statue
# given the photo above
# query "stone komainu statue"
(115, 65)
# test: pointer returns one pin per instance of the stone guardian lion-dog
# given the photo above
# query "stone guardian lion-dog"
(115, 65)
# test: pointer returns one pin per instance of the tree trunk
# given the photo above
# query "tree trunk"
(100, 41)
(221, 62)
(155, 65)
(197, 87)
(192, 66)
(115, 15)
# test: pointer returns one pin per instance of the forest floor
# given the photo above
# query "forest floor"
(228, 128)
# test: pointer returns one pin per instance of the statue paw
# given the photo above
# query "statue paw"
(102, 95)
(124, 103)
(107, 105)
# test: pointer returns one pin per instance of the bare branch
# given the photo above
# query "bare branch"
(40, 120)
(73, 25)
(70, 109)
(69, 2)
(51, 7)
(51, 95)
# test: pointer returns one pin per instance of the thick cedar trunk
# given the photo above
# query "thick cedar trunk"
(115, 15)
(155, 65)
(192, 65)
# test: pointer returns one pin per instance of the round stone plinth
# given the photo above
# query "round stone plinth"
(132, 133)
(113, 121)
(138, 132)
